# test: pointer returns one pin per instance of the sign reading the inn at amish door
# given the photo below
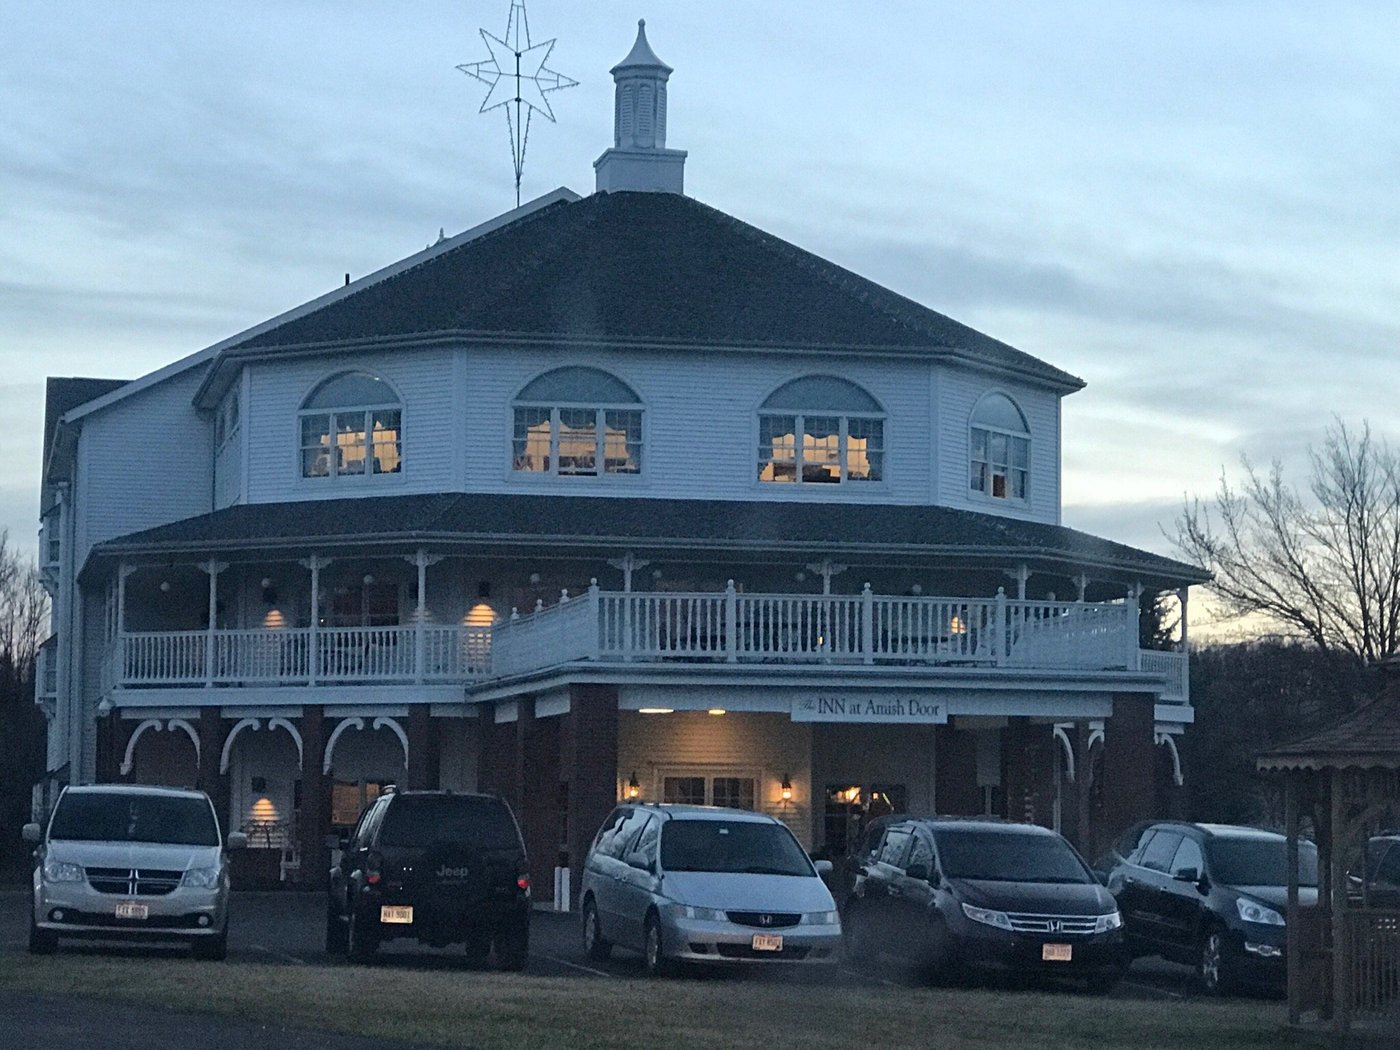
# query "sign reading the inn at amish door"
(917, 708)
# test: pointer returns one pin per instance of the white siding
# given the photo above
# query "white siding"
(959, 390)
(276, 390)
(144, 461)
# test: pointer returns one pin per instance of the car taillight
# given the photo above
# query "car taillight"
(523, 882)
(373, 864)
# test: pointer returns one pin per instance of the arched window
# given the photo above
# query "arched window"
(820, 429)
(1000, 449)
(577, 422)
(351, 426)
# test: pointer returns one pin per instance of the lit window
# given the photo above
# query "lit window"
(821, 430)
(999, 450)
(577, 422)
(351, 426)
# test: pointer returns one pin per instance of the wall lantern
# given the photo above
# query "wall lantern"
(634, 790)
(787, 788)
(164, 586)
(369, 580)
(534, 577)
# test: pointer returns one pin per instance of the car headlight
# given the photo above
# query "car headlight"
(201, 878)
(687, 911)
(1252, 912)
(62, 871)
(1108, 922)
(820, 918)
(999, 919)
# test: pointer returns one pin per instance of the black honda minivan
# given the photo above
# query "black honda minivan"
(438, 866)
(956, 894)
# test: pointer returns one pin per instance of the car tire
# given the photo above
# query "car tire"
(855, 937)
(211, 949)
(362, 943)
(513, 949)
(597, 947)
(41, 942)
(1215, 967)
(654, 959)
(337, 935)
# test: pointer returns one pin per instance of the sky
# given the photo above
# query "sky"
(1194, 206)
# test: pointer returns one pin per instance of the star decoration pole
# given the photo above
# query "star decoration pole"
(517, 76)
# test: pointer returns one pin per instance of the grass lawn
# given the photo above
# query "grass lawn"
(487, 1011)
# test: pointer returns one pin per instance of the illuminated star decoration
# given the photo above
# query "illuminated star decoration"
(517, 76)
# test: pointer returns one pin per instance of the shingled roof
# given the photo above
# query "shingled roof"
(649, 269)
(1368, 738)
(601, 522)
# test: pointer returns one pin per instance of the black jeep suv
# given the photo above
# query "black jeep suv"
(442, 867)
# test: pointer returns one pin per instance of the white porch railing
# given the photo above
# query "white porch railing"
(1172, 666)
(285, 657)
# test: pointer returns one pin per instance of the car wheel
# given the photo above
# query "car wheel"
(211, 949)
(513, 948)
(362, 943)
(337, 936)
(1215, 966)
(654, 949)
(595, 945)
(41, 942)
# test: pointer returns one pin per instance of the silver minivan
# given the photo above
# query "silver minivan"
(705, 885)
(126, 862)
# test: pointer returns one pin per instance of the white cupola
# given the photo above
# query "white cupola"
(639, 159)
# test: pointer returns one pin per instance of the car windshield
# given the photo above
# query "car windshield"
(1259, 862)
(741, 846)
(1008, 856)
(482, 823)
(98, 816)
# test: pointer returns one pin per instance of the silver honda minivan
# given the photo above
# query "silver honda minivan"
(705, 885)
(128, 862)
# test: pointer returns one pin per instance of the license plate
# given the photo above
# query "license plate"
(132, 910)
(1056, 952)
(399, 913)
(767, 942)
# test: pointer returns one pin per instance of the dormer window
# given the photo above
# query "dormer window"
(577, 422)
(821, 430)
(1000, 449)
(351, 426)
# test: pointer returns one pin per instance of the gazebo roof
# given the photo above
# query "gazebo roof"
(1367, 739)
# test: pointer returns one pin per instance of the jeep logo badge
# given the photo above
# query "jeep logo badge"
(445, 872)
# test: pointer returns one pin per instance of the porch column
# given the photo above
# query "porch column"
(213, 568)
(1129, 765)
(487, 741)
(313, 649)
(536, 792)
(587, 769)
(421, 560)
(315, 817)
(213, 731)
(1028, 768)
(955, 773)
(423, 765)
(1083, 786)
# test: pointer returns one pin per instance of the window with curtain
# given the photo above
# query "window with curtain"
(821, 430)
(351, 426)
(999, 450)
(577, 422)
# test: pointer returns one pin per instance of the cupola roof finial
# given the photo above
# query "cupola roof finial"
(641, 56)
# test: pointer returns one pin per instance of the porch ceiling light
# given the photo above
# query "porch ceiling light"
(717, 711)
(655, 710)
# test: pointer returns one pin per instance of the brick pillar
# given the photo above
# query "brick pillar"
(1129, 766)
(536, 793)
(423, 755)
(486, 744)
(213, 731)
(1028, 771)
(956, 772)
(315, 817)
(587, 768)
(1075, 814)
(112, 737)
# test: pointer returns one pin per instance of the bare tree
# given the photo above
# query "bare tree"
(1324, 568)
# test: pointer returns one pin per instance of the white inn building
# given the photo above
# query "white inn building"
(609, 496)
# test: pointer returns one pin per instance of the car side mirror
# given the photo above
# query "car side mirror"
(642, 864)
(32, 833)
(237, 840)
(918, 872)
(1187, 875)
(824, 867)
